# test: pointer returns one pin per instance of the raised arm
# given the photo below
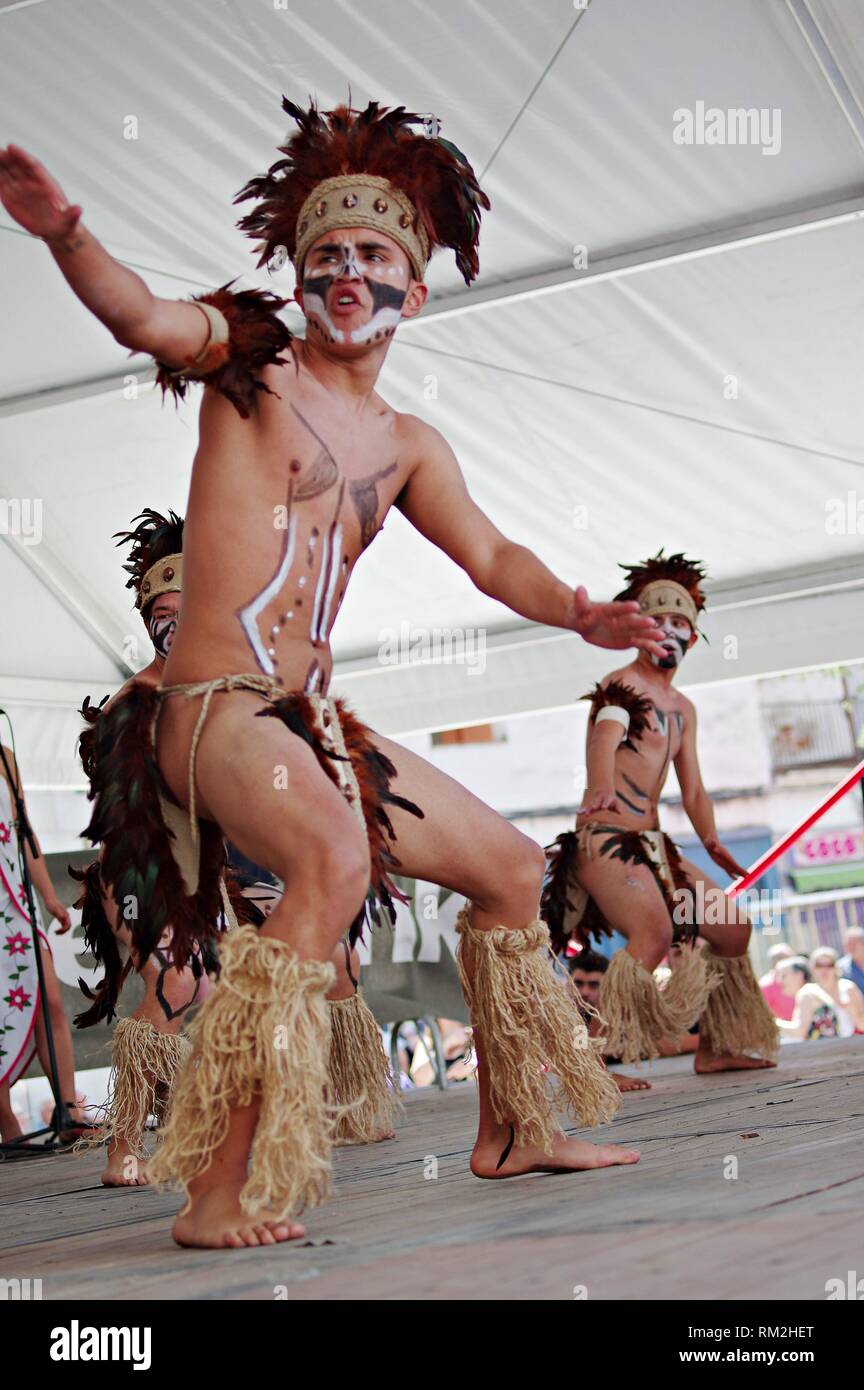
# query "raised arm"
(697, 803)
(436, 501)
(172, 331)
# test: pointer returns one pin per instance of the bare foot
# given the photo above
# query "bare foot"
(567, 1156)
(124, 1168)
(216, 1221)
(724, 1061)
(629, 1083)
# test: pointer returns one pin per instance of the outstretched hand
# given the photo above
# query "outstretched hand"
(33, 198)
(721, 856)
(615, 625)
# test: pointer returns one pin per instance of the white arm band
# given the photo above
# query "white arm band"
(219, 335)
(614, 712)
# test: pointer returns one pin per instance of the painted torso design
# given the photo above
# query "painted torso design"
(642, 760)
(280, 509)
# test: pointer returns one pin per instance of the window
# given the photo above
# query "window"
(477, 733)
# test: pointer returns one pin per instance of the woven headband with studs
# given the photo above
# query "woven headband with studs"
(665, 596)
(165, 577)
(362, 200)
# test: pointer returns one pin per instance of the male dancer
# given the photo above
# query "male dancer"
(618, 870)
(148, 1047)
(301, 473)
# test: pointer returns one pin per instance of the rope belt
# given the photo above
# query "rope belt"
(329, 728)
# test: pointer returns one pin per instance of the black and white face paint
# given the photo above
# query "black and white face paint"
(333, 283)
(162, 629)
(674, 636)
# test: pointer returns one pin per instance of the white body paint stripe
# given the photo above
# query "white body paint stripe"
(335, 551)
(249, 615)
(319, 588)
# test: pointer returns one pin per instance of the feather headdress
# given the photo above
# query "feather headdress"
(154, 540)
(437, 199)
(666, 583)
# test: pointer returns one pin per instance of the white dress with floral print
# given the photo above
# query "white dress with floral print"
(19, 981)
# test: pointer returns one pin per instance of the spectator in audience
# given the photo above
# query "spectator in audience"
(815, 1015)
(852, 964)
(778, 1001)
(458, 1059)
(846, 995)
(586, 971)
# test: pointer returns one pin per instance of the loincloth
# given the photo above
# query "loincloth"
(169, 863)
(568, 908)
(111, 952)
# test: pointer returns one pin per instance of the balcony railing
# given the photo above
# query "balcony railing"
(809, 733)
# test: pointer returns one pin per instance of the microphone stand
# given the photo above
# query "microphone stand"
(61, 1120)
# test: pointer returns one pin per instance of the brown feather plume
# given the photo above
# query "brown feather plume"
(430, 171)
(677, 568)
(245, 909)
(87, 737)
(637, 706)
(556, 902)
(137, 864)
(153, 538)
(102, 945)
(257, 337)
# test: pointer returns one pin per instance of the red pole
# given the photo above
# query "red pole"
(773, 854)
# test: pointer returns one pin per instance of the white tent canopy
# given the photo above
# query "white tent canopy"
(697, 386)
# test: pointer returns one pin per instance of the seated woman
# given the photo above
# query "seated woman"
(845, 993)
(815, 1015)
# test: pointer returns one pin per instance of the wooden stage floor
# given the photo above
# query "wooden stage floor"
(675, 1226)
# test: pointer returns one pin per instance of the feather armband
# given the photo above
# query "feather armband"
(246, 334)
(627, 703)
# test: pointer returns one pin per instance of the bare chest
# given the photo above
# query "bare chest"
(334, 474)
(303, 494)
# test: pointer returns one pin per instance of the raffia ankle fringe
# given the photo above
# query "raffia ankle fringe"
(737, 1018)
(529, 1026)
(636, 1014)
(689, 988)
(360, 1078)
(144, 1063)
(262, 1035)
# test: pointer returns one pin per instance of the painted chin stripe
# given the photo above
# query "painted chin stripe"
(387, 302)
(316, 307)
(162, 634)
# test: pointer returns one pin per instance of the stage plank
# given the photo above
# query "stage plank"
(678, 1225)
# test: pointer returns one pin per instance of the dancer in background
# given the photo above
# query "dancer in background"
(148, 1046)
(618, 870)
